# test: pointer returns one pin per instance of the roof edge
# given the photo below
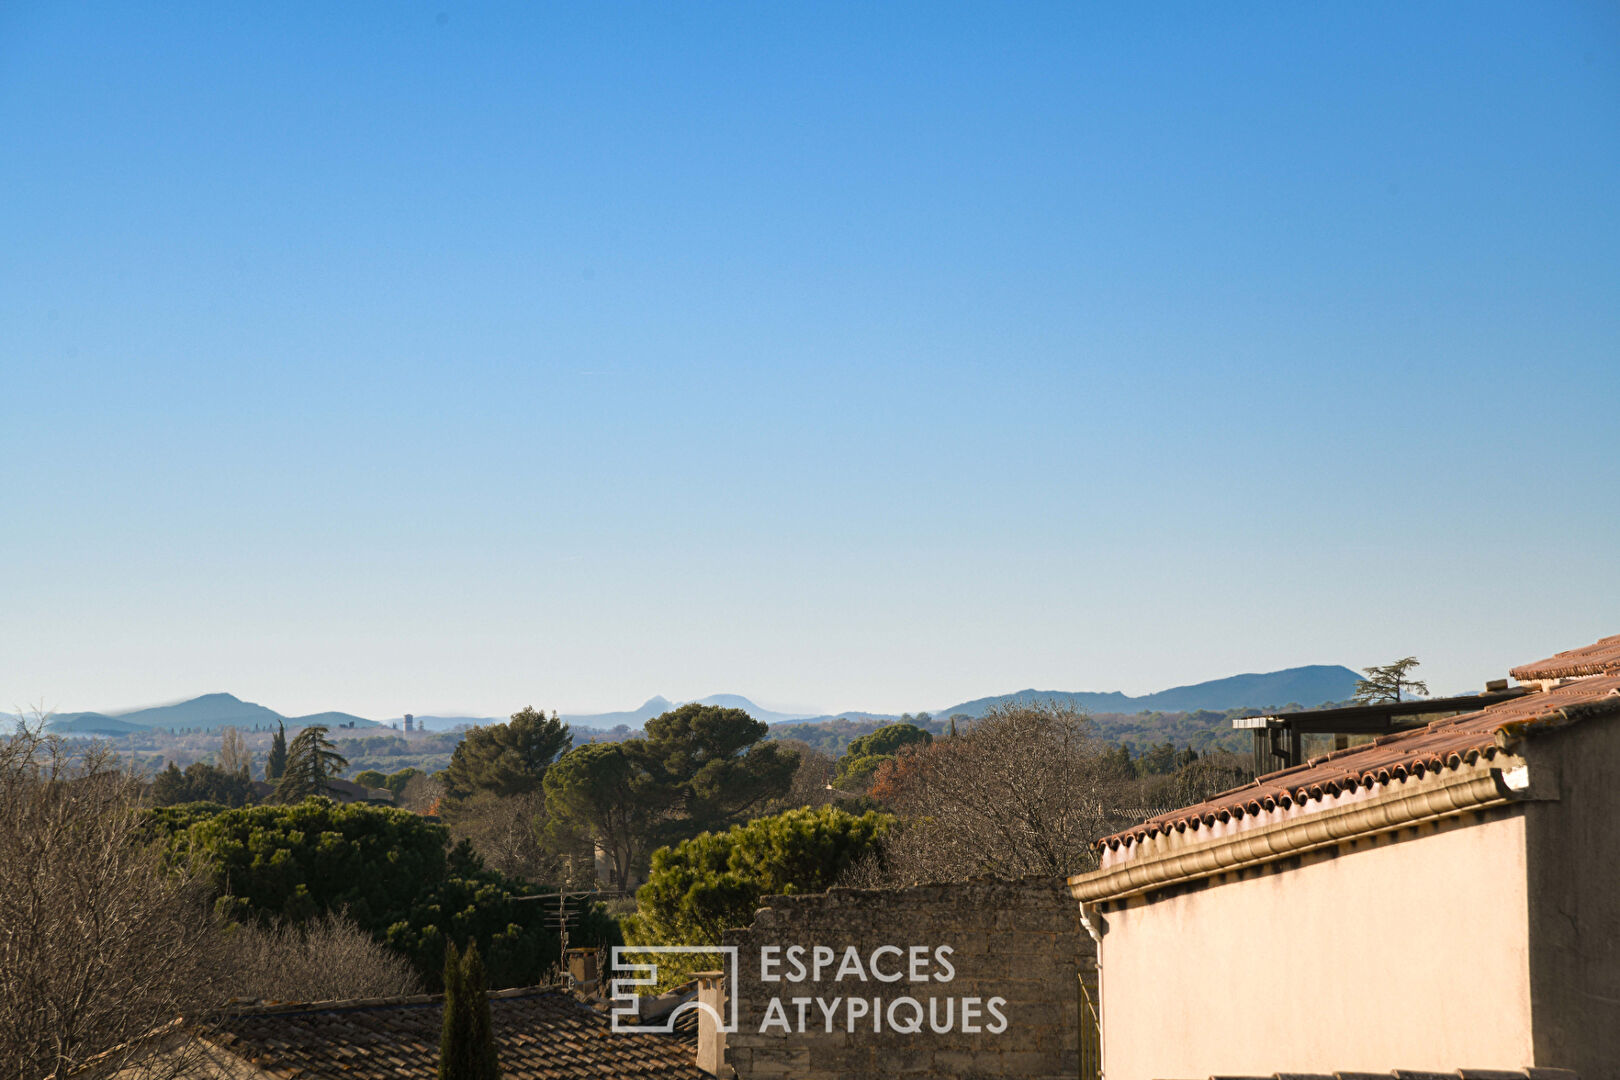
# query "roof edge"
(1599, 658)
(1253, 847)
(261, 1008)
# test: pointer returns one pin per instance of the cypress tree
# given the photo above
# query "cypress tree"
(453, 1037)
(475, 988)
(467, 1042)
(276, 764)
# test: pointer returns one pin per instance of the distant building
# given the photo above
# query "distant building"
(1442, 897)
(408, 719)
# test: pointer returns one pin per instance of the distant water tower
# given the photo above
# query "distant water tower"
(408, 719)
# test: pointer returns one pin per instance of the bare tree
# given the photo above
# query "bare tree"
(1024, 793)
(506, 831)
(810, 780)
(328, 959)
(100, 941)
(1202, 778)
(234, 755)
(422, 794)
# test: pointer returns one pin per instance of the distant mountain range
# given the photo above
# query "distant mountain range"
(1316, 684)
(1312, 685)
(214, 711)
(657, 706)
(211, 711)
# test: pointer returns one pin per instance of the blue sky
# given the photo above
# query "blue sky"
(444, 357)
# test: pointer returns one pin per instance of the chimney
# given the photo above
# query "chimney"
(582, 969)
(711, 1051)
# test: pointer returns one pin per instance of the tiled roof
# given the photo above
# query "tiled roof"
(1420, 1074)
(543, 1033)
(1595, 659)
(1442, 745)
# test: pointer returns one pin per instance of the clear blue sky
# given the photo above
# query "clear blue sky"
(392, 356)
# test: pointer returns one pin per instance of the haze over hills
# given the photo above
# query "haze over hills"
(1315, 684)
(212, 711)
(1310, 685)
(633, 718)
(208, 712)
(659, 705)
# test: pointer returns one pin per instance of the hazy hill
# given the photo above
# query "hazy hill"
(1310, 686)
(206, 713)
(89, 723)
(734, 701)
(330, 719)
(657, 706)
(1201, 729)
(1199, 715)
(654, 706)
(443, 723)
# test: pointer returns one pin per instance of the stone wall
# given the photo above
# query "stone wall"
(991, 969)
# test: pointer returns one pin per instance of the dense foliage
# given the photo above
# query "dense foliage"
(857, 767)
(428, 751)
(605, 792)
(394, 873)
(394, 781)
(703, 886)
(716, 763)
(834, 736)
(201, 782)
(699, 767)
(506, 759)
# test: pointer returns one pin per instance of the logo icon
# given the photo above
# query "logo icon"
(627, 1009)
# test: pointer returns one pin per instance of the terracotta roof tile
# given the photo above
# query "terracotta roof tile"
(1442, 745)
(543, 1034)
(1602, 657)
(1407, 1074)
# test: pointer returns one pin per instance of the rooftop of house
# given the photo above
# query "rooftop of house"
(1444, 745)
(1423, 1074)
(1599, 658)
(543, 1033)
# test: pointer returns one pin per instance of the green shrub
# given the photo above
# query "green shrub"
(394, 873)
(713, 882)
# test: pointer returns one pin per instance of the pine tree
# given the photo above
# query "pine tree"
(1389, 683)
(168, 786)
(312, 760)
(277, 762)
(467, 1041)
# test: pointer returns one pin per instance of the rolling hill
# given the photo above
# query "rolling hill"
(657, 706)
(1313, 685)
(207, 713)
(1308, 686)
